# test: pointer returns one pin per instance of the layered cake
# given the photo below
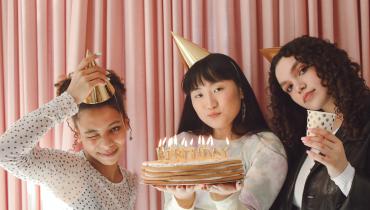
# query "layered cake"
(181, 164)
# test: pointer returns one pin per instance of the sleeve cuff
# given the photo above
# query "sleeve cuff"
(173, 205)
(228, 203)
(344, 180)
(66, 105)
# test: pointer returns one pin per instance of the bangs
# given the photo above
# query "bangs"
(197, 78)
(213, 68)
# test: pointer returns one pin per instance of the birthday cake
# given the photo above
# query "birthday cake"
(185, 165)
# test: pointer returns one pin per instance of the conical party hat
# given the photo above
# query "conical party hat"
(191, 53)
(269, 53)
(99, 93)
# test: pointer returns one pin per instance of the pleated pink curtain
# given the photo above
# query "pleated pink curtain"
(44, 39)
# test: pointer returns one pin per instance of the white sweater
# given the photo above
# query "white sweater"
(266, 167)
(68, 175)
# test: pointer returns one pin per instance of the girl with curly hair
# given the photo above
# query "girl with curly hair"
(91, 178)
(313, 74)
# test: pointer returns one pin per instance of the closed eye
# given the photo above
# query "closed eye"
(92, 137)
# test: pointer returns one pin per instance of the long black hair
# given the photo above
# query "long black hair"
(213, 68)
(336, 71)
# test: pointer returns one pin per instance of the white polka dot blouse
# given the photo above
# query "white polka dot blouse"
(67, 174)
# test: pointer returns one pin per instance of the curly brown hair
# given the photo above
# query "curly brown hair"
(337, 72)
(116, 102)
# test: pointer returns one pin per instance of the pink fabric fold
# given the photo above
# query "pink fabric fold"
(42, 40)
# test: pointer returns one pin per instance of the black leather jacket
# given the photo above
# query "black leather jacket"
(320, 192)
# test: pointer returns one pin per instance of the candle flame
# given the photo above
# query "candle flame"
(175, 140)
(170, 142)
(208, 140)
(160, 143)
(227, 141)
(164, 141)
(191, 142)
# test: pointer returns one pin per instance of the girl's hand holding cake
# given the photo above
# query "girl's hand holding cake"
(222, 191)
(184, 194)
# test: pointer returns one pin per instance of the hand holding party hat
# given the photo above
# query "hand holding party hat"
(100, 93)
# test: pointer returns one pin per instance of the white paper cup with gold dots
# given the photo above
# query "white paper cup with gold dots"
(317, 119)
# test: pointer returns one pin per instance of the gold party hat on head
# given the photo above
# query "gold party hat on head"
(99, 93)
(269, 53)
(191, 53)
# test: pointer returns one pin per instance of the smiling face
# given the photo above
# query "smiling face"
(217, 104)
(102, 134)
(303, 85)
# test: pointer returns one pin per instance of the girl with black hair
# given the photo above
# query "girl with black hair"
(313, 74)
(220, 103)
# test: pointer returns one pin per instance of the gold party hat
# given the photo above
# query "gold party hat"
(191, 53)
(99, 93)
(269, 53)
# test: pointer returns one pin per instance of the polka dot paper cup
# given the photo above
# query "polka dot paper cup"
(317, 119)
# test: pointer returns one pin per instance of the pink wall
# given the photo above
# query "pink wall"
(41, 40)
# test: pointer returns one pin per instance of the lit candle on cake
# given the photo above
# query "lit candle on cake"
(213, 149)
(187, 151)
(208, 154)
(180, 152)
(192, 150)
(176, 148)
(197, 156)
(226, 148)
(203, 149)
(159, 150)
(172, 149)
(175, 141)
(165, 149)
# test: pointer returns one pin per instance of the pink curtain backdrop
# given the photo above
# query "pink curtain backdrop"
(44, 39)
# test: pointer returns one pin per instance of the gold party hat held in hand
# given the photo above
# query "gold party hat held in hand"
(99, 93)
(269, 53)
(191, 53)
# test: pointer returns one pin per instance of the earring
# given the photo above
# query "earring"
(75, 143)
(244, 110)
(130, 134)
(129, 127)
